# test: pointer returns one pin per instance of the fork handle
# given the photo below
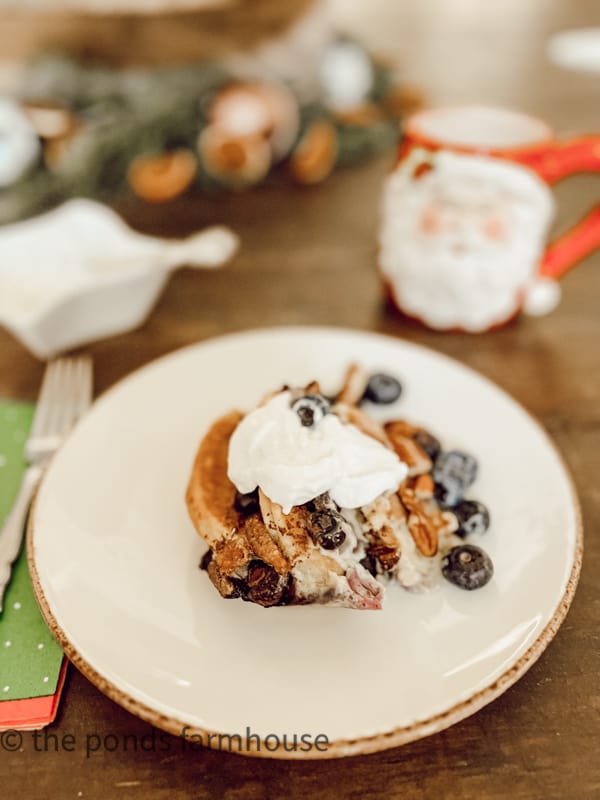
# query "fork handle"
(11, 534)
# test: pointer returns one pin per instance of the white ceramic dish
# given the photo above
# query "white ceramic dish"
(79, 273)
(115, 558)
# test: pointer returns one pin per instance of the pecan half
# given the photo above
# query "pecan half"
(314, 387)
(381, 516)
(424, 533)
(354, 385)
(403, 428)
(388, 555)
(356, 416)
(424, 487)
(407, 449)
(426, 522)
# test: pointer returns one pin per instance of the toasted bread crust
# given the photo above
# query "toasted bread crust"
(210, 495)
(234, 538)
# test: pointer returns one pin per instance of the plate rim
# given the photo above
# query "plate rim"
(338, 748)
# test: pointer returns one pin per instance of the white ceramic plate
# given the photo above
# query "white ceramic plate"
(115, 558)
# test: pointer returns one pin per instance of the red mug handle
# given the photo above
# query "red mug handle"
(552, 163)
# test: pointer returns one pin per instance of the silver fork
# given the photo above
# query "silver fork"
(65, 394)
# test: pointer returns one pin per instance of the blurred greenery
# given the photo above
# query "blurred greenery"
(124, 114)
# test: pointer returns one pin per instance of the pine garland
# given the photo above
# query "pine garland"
(121, 115)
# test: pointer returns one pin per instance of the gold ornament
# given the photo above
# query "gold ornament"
(50, 120)
(268, 110)
(235, 161)
(315, 155)
(161, 178)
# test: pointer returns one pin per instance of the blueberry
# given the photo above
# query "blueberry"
(263, 584)
(447, 496)
(467, 566)
(472, 516)
(457, 466)
(311, 408)
(247, 503)
(382, 389)
(328, 528)
(333, 539)
(453, 473)
(325, 521)
(429, 444)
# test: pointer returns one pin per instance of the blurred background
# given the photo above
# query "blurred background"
(460, 50)
(464, 51)
(139, 105)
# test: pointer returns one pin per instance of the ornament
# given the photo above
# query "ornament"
(19, 145)
(315, 155)
(161, 178)
(56, 126)
(258, 109)
(49, 120)
(234, 161)
(347, 75)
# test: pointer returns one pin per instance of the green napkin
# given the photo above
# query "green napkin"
(30, 659)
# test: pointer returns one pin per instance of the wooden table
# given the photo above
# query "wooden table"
(308, 257)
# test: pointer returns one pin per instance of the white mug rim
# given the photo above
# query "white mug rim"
(421, 127)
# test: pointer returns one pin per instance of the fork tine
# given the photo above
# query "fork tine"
(84, 385)
(60, 398)
(88, 392)
(43, 411)
(66, 392)
(69, 396)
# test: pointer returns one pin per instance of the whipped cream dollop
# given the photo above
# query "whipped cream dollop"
(293, 464)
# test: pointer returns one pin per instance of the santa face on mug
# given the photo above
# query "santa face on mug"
(462, 237)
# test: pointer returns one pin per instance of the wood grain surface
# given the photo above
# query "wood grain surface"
(308, 257)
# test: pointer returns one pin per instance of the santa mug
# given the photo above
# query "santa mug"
(466, 215)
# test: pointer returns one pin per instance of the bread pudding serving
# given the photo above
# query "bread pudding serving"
(309, 499)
